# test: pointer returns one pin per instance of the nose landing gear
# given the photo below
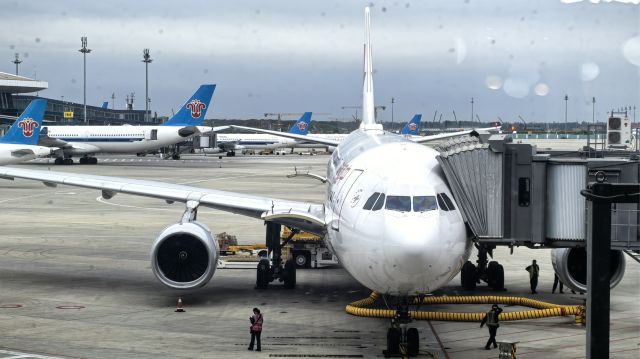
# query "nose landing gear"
(401, 339)
(490, 272)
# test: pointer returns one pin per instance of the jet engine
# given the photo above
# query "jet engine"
(570, 265)
(185, 255)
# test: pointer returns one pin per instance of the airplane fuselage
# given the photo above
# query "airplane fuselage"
(387, 220)
(115, 139)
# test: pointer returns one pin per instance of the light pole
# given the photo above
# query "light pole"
(472, 109)
(566, 102)
(85, 51)
(147, 60)
(593, 110)
(393, 100)
(17, 61)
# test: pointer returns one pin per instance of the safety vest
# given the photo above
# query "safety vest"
(492, 318)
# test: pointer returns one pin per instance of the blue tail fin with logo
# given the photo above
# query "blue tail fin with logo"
(412, 127)
(301, 127)
(193, 111)
(26, 129)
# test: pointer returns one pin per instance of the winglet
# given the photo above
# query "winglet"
(412, 127)
(368, 106)
(301, 127)
(26, 129)
(193, 111)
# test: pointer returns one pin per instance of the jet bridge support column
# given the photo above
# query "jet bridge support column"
(602, 195)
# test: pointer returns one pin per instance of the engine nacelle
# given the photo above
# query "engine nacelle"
(185, 255)
(570, 265)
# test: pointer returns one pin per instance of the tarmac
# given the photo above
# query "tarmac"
(75, 279)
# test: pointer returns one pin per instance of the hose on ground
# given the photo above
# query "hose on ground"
(542, 309)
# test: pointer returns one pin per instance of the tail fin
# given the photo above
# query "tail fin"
(26, 129)
(105, 104)
(301, 127)
(368, 106)
(412, 127)
(193, 111)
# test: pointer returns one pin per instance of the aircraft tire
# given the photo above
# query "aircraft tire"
(83, 160)
(290, 274)
(92, 161)
(468, 276)
(413, 342)
(393, 342)
(58, 161)
(67, 161)
(262, 274)
(495, 275)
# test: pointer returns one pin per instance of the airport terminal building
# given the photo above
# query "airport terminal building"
(16, 92)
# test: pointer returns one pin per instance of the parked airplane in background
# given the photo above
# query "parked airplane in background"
(86, 141)
(412, 128)
(232, 142)
(19, 144)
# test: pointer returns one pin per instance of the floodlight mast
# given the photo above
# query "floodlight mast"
(147, 60)
(17, 61)
(84, 50)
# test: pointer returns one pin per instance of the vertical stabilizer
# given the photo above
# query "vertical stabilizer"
(26, 129)
(368, 107)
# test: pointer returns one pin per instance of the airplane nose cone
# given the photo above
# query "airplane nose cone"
(411, 247)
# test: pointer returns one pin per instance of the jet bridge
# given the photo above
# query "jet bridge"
(515, 195)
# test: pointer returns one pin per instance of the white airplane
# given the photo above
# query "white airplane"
(232, 142)
(86, 141)
(20, 143)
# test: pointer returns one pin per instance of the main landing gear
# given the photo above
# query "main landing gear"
(63, 161)
(490, 272)
(86, 160)
(402, 340)
(275, 269)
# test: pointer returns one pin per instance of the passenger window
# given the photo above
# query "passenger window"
(399, 203)
(442, 203)
(379, 203)
(371, 201)
(424, 203)
(449, 202)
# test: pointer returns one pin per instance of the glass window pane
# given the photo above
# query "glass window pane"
(424, 203)
(369, 204)
(399, 203)
(379, 203)
(441, 203)
(449, 202)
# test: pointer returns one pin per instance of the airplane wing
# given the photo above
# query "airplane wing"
(451, 134)
(307, 138)
(303, 215)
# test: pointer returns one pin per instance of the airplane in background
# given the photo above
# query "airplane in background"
(232, 142)
(19, 144)
(86, 141)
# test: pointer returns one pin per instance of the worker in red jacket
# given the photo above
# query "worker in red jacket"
(256, 328)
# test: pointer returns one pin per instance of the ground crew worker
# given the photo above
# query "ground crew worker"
(534, 271)
(557, 280)
(256, 328)
(491, 318)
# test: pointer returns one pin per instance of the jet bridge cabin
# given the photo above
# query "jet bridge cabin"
(513, 194)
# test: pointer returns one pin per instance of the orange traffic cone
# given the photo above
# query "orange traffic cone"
(179, 306)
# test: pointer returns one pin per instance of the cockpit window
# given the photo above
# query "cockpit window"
(371, 201)
(399, 203)
(449, 202)
(424, 203)
(442, 203)
(379, 203)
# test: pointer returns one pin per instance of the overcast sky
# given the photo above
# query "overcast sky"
(513, 57)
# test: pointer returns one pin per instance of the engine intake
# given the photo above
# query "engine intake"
(570, 265)
(184, 256)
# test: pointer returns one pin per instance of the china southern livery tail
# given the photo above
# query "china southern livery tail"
(301, 127)
(26, 129)
(193, 111)
(412, 128)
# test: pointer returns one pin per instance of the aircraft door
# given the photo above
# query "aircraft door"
(151, 134)
(341, 198)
